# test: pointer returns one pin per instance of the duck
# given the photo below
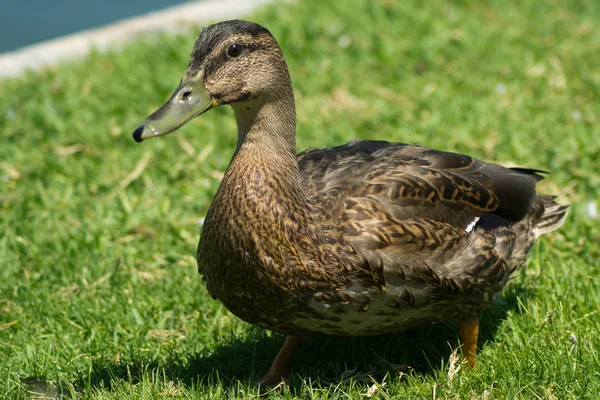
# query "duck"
(364, 238)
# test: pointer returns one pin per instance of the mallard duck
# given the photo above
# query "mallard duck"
(364, 238)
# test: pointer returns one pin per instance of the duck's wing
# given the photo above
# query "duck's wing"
(412, 182)
(405, 213)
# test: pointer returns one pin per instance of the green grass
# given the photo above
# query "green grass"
(99, 294)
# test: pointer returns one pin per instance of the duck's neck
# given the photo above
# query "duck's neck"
(267, 136)
(265, 159)
(267, 129)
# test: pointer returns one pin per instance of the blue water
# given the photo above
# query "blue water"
(24, 22)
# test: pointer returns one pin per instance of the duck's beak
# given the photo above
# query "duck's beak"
(189, 100)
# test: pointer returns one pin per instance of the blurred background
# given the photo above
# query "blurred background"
(25, 22)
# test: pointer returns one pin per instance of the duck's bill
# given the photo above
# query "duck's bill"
(189, 100)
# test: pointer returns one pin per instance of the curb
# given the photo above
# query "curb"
(174, 19)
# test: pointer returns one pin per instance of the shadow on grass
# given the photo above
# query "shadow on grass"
(327, 360)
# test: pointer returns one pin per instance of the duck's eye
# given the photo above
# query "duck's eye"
(186, 94)
(234, 50)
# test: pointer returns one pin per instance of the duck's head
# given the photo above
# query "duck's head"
(233, 62)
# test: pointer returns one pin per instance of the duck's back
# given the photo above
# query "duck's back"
(412, 182)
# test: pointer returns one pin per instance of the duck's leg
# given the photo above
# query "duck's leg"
(468, 333)
(281, 365)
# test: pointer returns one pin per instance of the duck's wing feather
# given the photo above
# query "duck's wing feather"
(412, 182)
(427, 251)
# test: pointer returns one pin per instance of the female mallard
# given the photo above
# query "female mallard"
(365, 238)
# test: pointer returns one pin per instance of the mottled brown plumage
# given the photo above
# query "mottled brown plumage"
(360, 239)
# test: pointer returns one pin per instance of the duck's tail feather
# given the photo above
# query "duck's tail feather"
(544, 216)
(552, 217)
